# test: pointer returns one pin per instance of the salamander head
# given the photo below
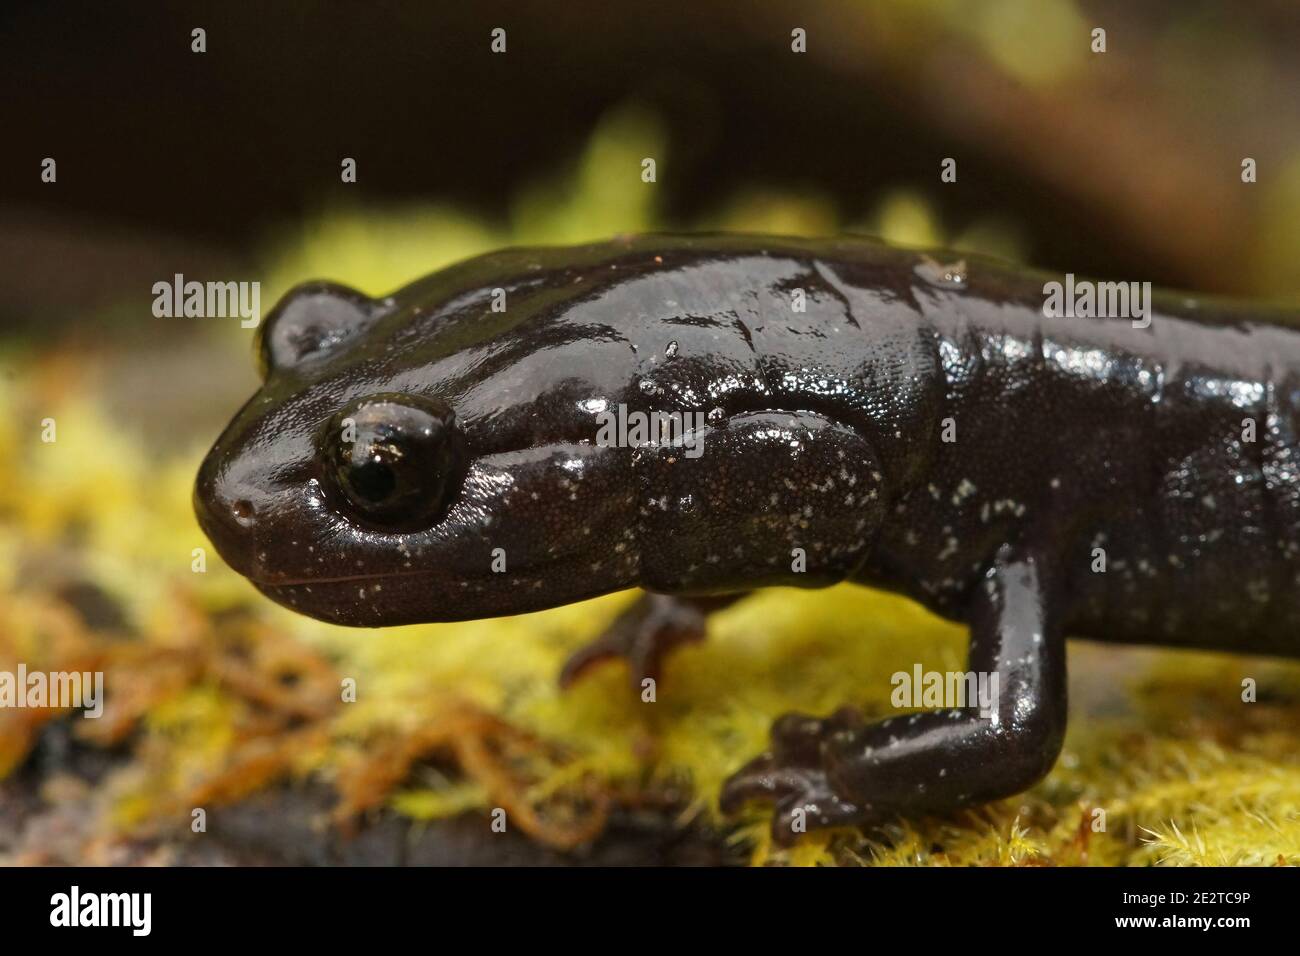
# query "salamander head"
(425, 457)
(438, 455)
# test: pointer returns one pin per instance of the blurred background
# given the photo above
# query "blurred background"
(225, 165)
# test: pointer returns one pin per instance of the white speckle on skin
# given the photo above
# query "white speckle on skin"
(964, 490)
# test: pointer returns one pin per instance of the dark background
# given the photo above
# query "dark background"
(1127, 165)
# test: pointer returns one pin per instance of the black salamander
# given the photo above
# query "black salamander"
(849, 412)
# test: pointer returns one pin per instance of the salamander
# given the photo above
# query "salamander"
(920, 423)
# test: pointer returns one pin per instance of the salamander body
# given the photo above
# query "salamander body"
(849, 412)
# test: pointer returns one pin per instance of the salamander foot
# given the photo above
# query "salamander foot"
(644, 633)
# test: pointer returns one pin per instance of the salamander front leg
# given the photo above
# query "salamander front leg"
(645, 632)
(840, 770)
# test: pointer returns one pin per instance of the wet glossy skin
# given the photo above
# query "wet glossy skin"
(1067, 438)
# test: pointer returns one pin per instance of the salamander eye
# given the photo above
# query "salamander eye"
(396, 459)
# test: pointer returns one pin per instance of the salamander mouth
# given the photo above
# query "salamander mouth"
(417, 597)
(271, 581)
(351, 602)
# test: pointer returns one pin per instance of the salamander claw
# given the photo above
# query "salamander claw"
(793, 777)
(762, 778)
(641, 635)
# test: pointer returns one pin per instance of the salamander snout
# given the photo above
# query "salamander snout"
(227, 517)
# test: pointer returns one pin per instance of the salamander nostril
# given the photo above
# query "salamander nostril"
(243, 511)
(230, 522)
